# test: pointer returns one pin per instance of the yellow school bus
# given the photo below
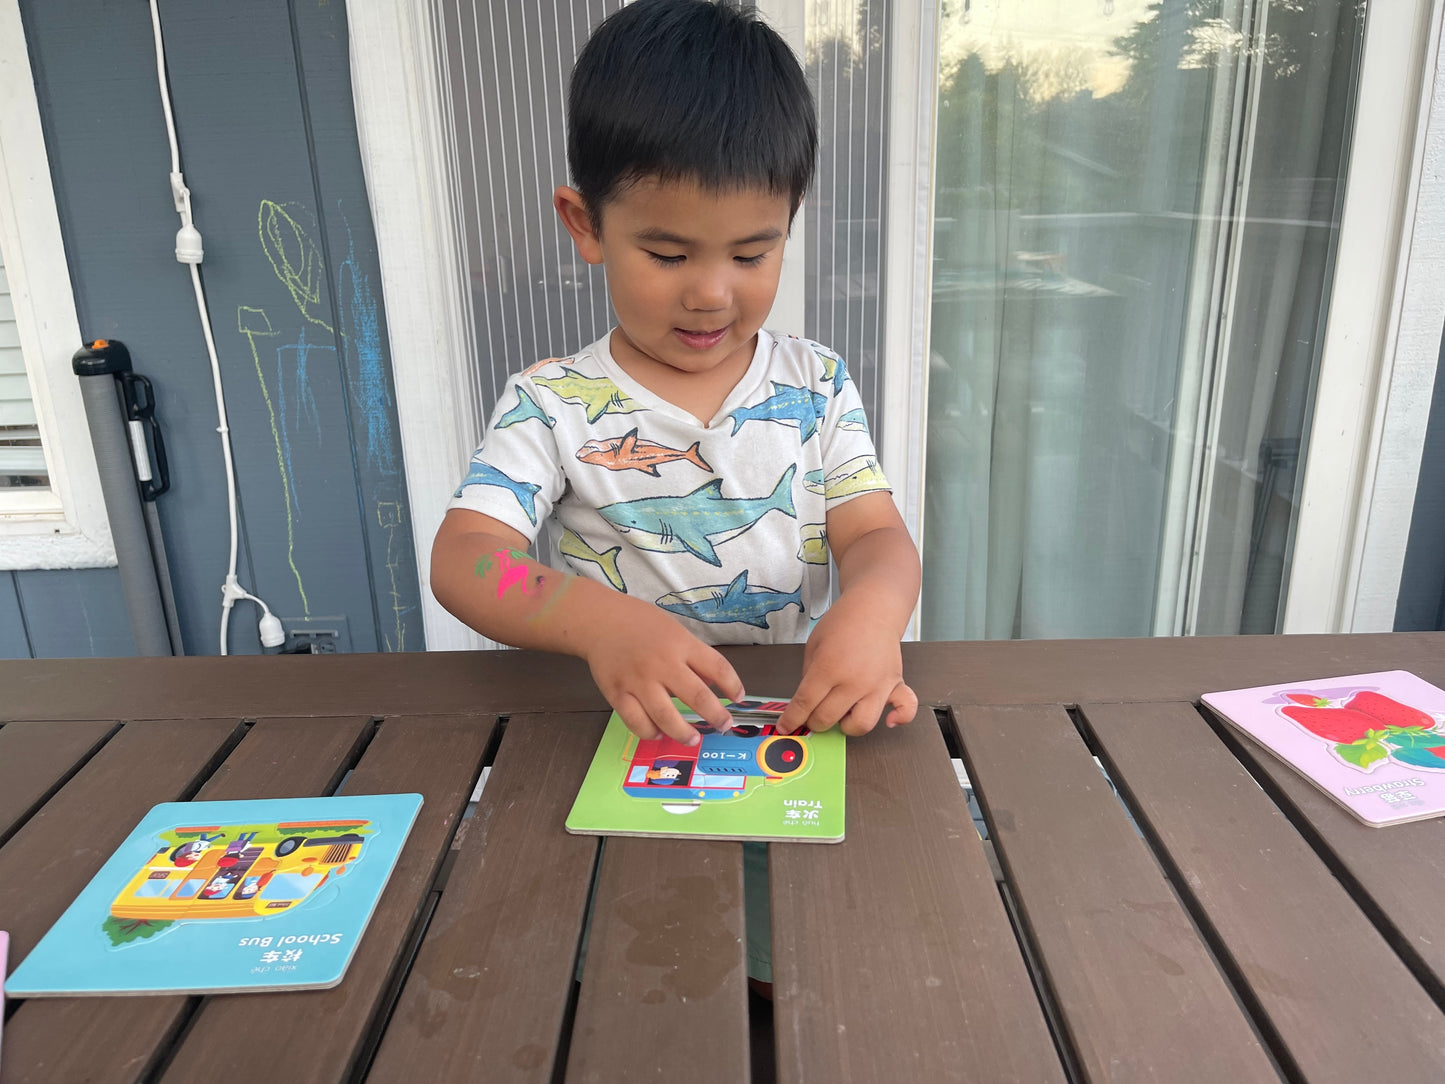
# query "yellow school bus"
(225, 875)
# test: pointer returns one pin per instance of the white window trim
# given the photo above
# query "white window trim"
(67, 526)
(1412, 357)
(1381, 340)
(399, 106)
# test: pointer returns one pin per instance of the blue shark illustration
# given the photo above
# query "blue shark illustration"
(526, 408)
(699, 521)
(834, 368)
(854, 420)
(731, 602)
(813, 481)
(787, 406)
(484, 474)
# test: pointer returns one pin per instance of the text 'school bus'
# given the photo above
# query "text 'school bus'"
(722, 766)
(221, 876)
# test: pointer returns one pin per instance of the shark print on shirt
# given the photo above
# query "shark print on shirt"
(689, 523)
(724, 603)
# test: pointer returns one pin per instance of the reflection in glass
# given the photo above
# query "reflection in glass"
(1135, 216)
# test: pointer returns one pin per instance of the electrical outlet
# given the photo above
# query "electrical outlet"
(319, 635)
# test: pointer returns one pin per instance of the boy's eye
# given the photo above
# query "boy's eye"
(752, 260)
(660, 258)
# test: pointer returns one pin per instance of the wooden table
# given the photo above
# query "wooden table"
(1216, 920)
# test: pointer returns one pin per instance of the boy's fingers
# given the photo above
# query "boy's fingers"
(830, 709)
(905, 705)
(696, 695)
(665, 716)
(636, 718)
(799, 708)
(719, 673)
(863, 717)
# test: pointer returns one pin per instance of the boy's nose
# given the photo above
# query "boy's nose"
(706, 293)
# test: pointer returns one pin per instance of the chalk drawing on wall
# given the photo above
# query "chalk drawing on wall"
(361, 331)
(253, 323)
(389, 518)
(295, 258)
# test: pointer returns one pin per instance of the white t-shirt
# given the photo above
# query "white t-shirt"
(722, 524)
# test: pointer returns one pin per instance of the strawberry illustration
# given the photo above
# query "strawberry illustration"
(1388, 711)
(1311, 700)
(1342, 725)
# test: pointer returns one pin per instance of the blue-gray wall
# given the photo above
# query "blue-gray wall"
(1421, 604)
(263, 106)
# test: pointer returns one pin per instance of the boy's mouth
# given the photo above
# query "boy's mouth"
(700, 340)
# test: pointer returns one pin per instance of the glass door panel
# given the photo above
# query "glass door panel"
(1135, 210)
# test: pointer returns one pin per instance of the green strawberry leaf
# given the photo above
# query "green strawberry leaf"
(1362, 753)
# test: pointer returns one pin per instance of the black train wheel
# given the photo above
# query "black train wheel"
(782, 755)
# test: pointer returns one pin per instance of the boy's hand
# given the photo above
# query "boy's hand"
(852, 669)
(645, 659)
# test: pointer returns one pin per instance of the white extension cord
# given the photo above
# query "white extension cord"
(189, 251)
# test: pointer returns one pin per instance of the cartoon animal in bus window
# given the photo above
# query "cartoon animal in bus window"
(721, 766)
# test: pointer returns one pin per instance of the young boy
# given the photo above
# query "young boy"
(694, 470)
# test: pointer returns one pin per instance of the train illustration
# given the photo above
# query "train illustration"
(721, 766)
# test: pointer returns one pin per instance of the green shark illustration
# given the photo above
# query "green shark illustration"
(814, 550)
(859, 475)
(526, 408)
(573, 545)
(699, 521)
(596, 393)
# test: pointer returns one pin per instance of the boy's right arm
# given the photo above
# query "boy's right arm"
(640, 656)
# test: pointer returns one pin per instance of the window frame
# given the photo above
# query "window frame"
(65, 526)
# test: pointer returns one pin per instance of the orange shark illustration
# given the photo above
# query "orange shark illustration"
(628, 452)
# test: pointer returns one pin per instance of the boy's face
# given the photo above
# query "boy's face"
(692, 272)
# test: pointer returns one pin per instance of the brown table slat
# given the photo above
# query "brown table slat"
(666, 958)
(465, 682)
(1137, 990)
(1343, 1004)
(35, 758)
(1400, 868)
(55, 854)
(486, 996)
(118, 1040)
(322, 1032)
(893, 957)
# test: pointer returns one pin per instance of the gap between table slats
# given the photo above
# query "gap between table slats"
(37, 759)
(1136, 988)
(1396, 873)
(893, 957)
(323, 1032)
(118, 1040)
(665, 959)
(490, 990)
(1340, 1001)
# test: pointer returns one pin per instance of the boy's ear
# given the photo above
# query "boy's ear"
(577, 220)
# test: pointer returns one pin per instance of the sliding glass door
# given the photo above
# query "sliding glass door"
(1136, 209)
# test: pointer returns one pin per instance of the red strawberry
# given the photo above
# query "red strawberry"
(1334, 724)
(1389, 712)
(1311, 700)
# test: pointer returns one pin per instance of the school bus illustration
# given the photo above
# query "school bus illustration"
(221, 873)
(721, 766)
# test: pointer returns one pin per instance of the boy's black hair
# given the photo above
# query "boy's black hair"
(687, 89)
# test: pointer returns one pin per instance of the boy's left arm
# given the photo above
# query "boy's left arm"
(853, 664)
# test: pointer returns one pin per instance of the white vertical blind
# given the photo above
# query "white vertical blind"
(504, 82)
(22, 459)
(846, 64)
